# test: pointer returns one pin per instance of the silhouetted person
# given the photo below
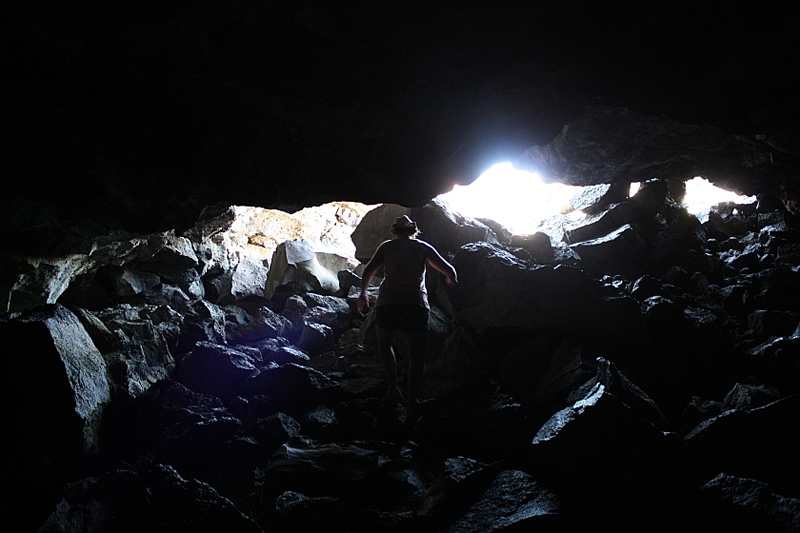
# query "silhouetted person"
(402, 302)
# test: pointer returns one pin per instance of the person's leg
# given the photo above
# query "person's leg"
(386, 352)
(416, 366)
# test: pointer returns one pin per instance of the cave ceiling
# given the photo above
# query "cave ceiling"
(139, 114)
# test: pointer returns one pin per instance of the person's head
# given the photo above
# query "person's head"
(404, 227)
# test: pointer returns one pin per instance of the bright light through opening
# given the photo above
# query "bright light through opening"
(517, 199)
(520, 200)
(702, 195)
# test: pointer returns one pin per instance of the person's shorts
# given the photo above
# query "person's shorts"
(408, 318)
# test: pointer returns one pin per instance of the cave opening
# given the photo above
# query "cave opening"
(522, 200)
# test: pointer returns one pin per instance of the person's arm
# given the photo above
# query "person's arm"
(372, 267)
(435, 259)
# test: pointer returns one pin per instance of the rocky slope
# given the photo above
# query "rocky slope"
(638, 371)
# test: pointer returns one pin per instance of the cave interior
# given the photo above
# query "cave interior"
(641, 371)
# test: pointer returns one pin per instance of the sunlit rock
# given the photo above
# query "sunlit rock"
(440, 225)
(46, 283)
(447, 229)
(302, 266)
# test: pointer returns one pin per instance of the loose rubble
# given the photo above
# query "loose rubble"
(642, 373)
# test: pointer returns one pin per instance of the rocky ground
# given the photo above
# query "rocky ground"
(637, 371)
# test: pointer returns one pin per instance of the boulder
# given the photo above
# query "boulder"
(743, 504)
(145, 496)
(594, 198)
(513, 500)
(498, 290)
(46, 283)
(537, 244)
(757, 443)
(217, 370)
(292, 385)
(301, 266)
(446, 229)
(203, 321)
(316, 338)
(58, 391)
(374, 229)
(602, 224)
(602, 449)
(265, 323)
(61, 371)
(535, 371)
(619, 252)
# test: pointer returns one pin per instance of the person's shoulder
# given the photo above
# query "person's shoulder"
(424, 244)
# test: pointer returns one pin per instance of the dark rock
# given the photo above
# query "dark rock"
(154, 498)
(619, 252)
(316, 339)
(534, 373)
(513, 500)
(460, 481)
(294, 511)
(698, 411)
(293, 385)
(634, 453)
(203, 321)
(742, 504)
(602, 224)
(497, 290)
(645, 287)
(618, 384)
(446, 229)
(537, 244)
(304, 465)
(773, 323)
(478, 420)
(266, 323)
(744, 396)
(128, 281)
(280, 352)
(755, 443)
(217, 370)
(59, 389)
(273, 431)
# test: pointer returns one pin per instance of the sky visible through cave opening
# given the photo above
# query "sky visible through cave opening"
(520, 200)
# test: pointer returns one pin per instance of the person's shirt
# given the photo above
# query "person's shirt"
(404, 275)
